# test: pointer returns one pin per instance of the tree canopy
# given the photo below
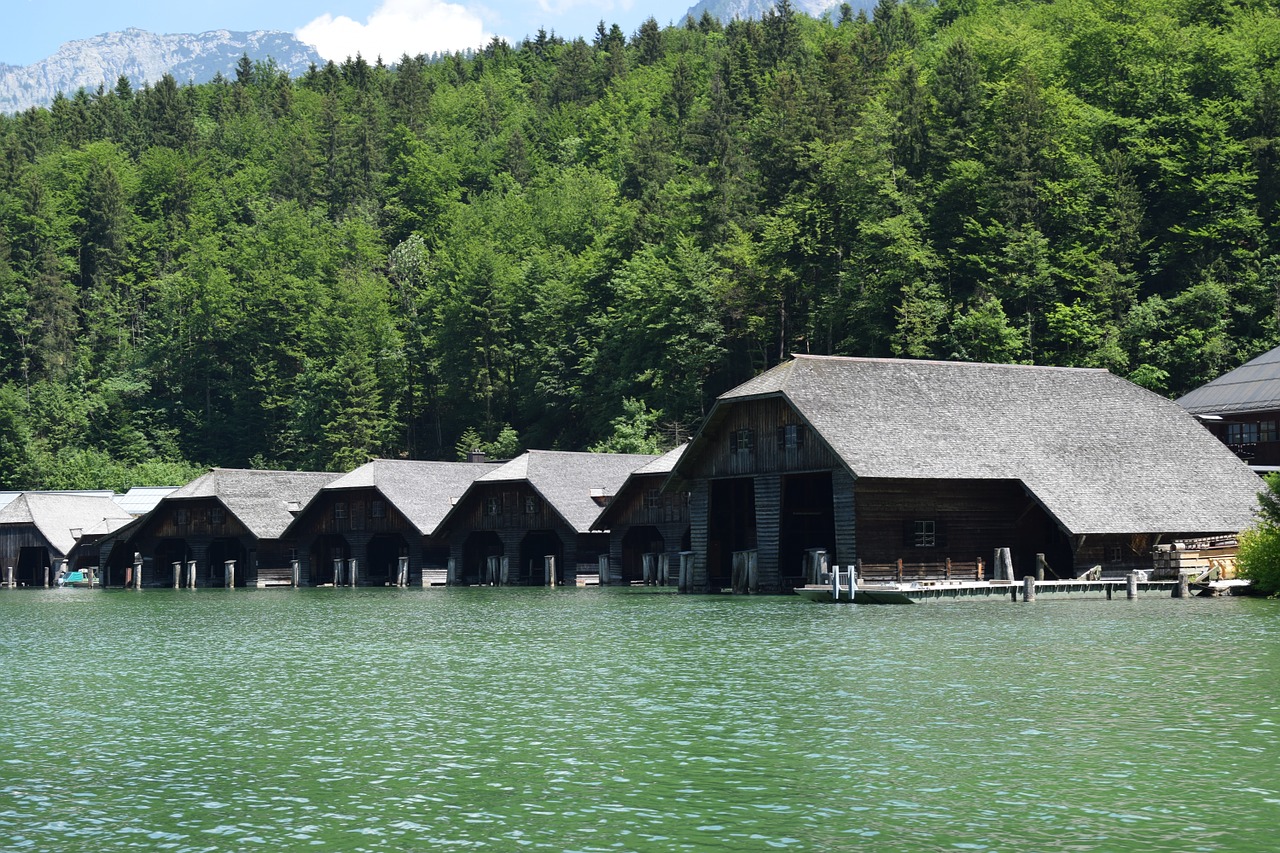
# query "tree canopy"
(576, 243)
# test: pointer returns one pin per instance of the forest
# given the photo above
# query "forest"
(578, 244)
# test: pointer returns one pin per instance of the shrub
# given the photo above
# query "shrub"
(1259, 558)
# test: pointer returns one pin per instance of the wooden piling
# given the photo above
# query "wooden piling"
(229, 573)
(137, 570)
(8, 577)
(686, 571)
(353, 571)
(191, 574)
(295, 572)
(549, 566)
(1041, 565)
(1029, 588)
(1183, 589)
(1131, 585)
(177, 575)
(402, 579)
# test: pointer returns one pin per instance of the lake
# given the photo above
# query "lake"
(614, 720)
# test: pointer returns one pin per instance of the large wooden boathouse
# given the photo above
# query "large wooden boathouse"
(529, 521)
(228, 515)
(39, 530)
(361, 526)
(875, 461)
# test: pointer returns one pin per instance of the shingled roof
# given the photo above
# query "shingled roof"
(422, 491)
(568, 481)
(659, 467)
(1100, 454)
(56, 515)
(1252, 387)
(259, 499)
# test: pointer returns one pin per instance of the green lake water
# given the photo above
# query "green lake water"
(603, 720)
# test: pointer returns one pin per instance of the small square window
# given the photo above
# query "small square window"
(530, 506)
(742, 440)
(377, 509)
(182, 517)
(1114, 554)
(653, 499)
(1267, 431)
(924, 533)
(791, 437)
(217, 516)
(492, 506)
(340, 510)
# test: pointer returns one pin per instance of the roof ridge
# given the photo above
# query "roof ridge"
(939, 361)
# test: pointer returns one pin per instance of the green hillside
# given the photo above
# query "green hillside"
(568, 244)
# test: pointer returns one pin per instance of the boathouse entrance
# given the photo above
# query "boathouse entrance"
(221, 550)
(536, 546)
(637, 542)
(807, 523)
(731, 526)
(476, 551)
(32, 563)
(324, 550)
(384, 553)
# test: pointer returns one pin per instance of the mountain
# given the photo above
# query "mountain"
(727, 10)
(145, 57)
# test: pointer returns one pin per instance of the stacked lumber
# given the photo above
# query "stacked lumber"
(1202, 559)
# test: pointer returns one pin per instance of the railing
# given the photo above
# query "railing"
(903, 571)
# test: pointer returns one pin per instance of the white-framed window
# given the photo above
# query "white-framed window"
(1242, 433)
(340, 510)
(924, 533)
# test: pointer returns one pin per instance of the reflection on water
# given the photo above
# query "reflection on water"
(622, 720)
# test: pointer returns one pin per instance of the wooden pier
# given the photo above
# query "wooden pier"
(923, 592)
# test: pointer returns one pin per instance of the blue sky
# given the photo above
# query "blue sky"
(34, 29)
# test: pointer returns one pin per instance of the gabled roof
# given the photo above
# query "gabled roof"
(660, 467)
(570, 482)
(1252, 387)
(56, 515)
(259, 499)
(423, 492)
(140, 500)
(1100, 454)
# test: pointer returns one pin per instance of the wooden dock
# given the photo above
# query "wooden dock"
(923, 592)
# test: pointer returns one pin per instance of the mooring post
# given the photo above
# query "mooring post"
(191, 574)
(177, 575)
(295, 572)
(1131, 585)
(1041, 563)
(1029, 588)
(404, 573)
(229, 573)
(981, 570)
(354, 569)
(337, 571)
(137, 570)
(8, 576)
(686, 571)
(549, 566)
(504, 569)
(1183, 589)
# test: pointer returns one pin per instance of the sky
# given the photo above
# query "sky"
(34, 29)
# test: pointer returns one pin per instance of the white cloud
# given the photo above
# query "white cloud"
(560, 7)
(395, 28)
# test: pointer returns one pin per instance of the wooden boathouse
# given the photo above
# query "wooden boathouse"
(534, 514)
(362, 525)
(936, 464)
(38, 530)
(648, 528)
(1242, 408)
(227, 515)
